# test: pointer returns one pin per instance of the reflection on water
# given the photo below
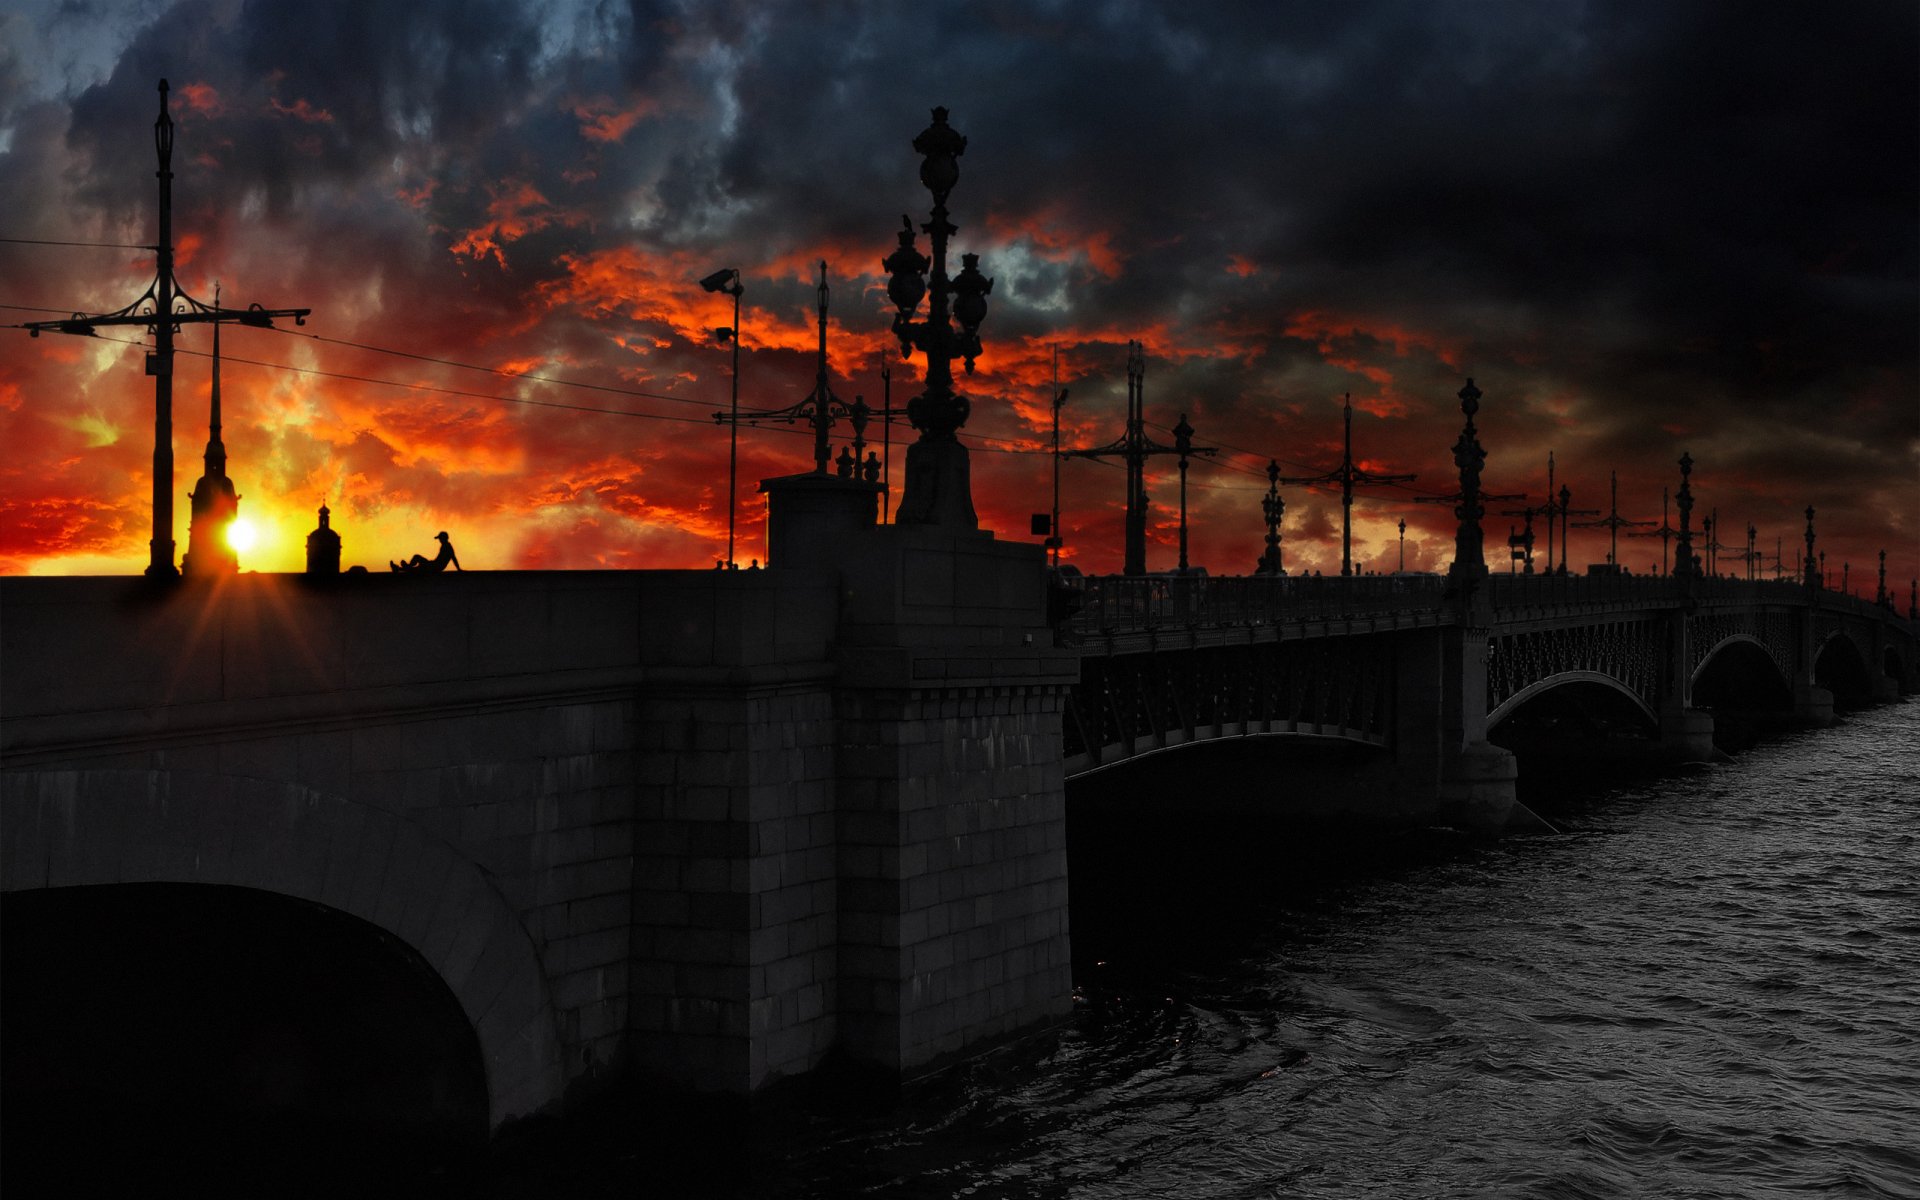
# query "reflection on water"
(1705, 986)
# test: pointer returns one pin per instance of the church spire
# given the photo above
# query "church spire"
(216, 449)
(214, 504)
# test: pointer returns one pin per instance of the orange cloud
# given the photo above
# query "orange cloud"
(201, 98)
(1053, 236)
(302, 110)
(601, 120)
(516, 209)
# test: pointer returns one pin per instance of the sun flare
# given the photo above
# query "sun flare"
(241, 535)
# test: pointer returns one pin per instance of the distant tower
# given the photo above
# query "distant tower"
(214, 503)
(323, 548)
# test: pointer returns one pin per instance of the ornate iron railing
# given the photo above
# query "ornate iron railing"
(1112, 604)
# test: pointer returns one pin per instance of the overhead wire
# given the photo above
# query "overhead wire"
(14, 241)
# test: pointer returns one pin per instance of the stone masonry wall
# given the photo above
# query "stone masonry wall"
(953, 879)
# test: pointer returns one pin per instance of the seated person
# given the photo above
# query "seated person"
(437, 564)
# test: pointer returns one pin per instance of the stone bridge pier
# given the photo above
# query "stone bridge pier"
(706, 828)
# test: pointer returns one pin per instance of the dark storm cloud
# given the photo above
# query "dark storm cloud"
(1643, 227)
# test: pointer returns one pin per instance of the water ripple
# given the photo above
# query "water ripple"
(1707, 986)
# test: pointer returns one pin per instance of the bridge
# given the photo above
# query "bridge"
(710, 827)
(1172, 661)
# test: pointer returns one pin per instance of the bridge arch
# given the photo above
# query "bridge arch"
(1119, 754)
(1841, 666)
(1894, 665)
(101, 827)
(1540, 687)
(1741, 673)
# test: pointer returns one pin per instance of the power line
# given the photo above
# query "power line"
(522, 400)
(93, 245)
(498, 371)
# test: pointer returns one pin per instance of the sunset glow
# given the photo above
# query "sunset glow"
(241, 535)
(508, 341)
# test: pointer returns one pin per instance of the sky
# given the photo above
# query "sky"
(1641, 229)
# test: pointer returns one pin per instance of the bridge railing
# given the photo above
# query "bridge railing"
(1567, 591)
(1116, 604)
(1570, 591)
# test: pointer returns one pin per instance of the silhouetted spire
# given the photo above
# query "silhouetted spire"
(213, 502)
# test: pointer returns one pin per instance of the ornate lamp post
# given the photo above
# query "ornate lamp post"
(727, 280)
(1812, 579)
(1685, 565)
(1469, 563)
(1403, 549)
(1880, 596)
(938, 489)
(1846, 583)
(1274, 507)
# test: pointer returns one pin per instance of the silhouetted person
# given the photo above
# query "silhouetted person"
(434, 566)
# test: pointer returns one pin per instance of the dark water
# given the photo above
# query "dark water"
(1709, 985)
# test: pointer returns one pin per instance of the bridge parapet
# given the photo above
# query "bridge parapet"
(1113, 605)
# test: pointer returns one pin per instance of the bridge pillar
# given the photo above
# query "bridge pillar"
(1476, 783)
(1812, 704)
(951, 811)
(1686, 733)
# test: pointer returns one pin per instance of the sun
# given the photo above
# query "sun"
(241, 535)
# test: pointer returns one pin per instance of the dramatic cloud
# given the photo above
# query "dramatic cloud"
(1640, 228)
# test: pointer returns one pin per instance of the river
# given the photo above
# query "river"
(1707, 985)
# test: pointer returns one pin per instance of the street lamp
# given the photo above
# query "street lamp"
(1274, 507)
(938, 491)
(1059, 398)
(1403, 545)
(727, 281)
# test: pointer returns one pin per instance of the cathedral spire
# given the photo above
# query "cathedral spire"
(216, 449)
(214, 504)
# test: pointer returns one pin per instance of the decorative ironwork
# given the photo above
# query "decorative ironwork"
(1629, 652)
(1686, 564)
(1613, 522)
(1273, 507)
(1134, 447)
(1130, 704)
(938, 490)
(1709, 630)
(1349, 477)
(820, 409)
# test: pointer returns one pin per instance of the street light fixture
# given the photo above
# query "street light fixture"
(938, 491)
(727, 281)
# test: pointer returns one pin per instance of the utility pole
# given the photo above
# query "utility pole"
(820, 407)
(1348, 477)
(886, 440)
(1613, 522)
(1709, 529)
(1665, 531)
(163, 308)
(1134, 448)
(1059, 398)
